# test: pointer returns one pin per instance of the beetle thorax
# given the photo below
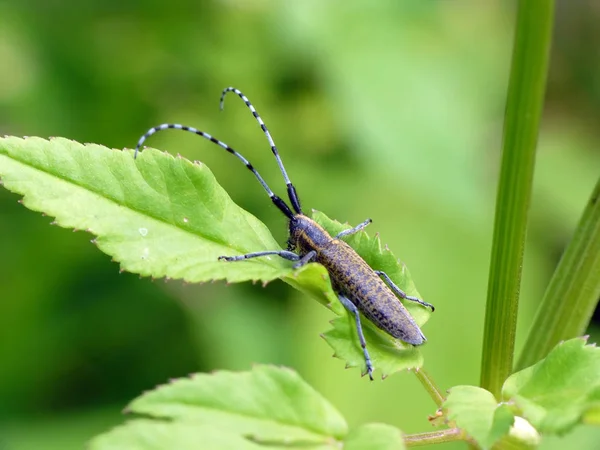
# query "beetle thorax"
(307, 235)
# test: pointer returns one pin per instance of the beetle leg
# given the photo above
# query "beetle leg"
(400, 292)
(356, 229)
(361, 337)
(291, 256)
(305, 259)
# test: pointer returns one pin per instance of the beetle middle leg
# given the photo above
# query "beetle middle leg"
(361, 337)
(356, 229)
(399, 292)
(305, 259)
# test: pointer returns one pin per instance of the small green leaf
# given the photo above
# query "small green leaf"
(145, 434)
(163, 216)
(476, 411)
(374, 436)
(388, 354)
(268, 404)
(556, 393)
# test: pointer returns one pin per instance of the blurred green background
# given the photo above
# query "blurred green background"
(391, 111)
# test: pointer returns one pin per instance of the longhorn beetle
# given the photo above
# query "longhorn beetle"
(357, 285)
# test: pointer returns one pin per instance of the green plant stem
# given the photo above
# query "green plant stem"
(434, 437)
(573, 291)
(523, 110)
(430, 386)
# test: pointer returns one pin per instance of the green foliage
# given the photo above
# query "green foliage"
(163, 216)
(558, 392)
(524, 105)
(159, 216)
(145, 434)
(551, 397)
(268, 407)
(374, 436)
(273, 406)
(398, 154)
(476, 411)
(270, 404)
(575, 280)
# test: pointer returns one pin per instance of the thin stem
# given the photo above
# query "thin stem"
(573, 291)
(430, 386)
(434, 437)
(524, 104)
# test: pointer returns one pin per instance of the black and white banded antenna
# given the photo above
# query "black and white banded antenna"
(282, 205)
(291, 190)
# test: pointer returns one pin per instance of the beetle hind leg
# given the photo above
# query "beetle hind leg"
(361, 337)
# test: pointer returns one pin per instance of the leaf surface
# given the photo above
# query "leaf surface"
(268, 404)
(476, 411)
(374, 436)
(561, 390)
(164, 216)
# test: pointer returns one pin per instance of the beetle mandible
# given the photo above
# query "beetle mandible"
(358, 287)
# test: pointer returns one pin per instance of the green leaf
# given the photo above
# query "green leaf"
(374, 436)
(476, 411)
(163, 216)
(158, 216)
(268, 404)
(556, 393)
(145, 434)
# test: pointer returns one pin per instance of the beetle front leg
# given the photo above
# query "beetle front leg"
(290, 256)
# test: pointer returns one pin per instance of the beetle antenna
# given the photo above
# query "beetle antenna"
(282, 205)
(291, 190)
